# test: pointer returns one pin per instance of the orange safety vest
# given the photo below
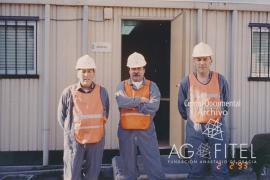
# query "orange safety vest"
(131, 118)
(205, 100)
(88, 116)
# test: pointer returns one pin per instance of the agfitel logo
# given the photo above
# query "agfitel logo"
(213, 130)
(204, 152)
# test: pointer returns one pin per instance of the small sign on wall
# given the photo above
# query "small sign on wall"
(100, 47)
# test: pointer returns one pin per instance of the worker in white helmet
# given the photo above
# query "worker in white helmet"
(82, 113)
(138, 101)
(200, 103)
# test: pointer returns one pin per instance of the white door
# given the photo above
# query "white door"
(176, 74)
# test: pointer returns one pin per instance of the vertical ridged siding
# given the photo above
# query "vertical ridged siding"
(21, 99)
(253, 115)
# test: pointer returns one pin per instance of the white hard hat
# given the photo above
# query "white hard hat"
(136, 60)
(202, 50)
(85, 62)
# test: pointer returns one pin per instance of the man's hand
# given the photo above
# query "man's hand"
(144, 100)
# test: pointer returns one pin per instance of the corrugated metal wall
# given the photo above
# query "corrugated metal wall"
(21, 99)
(253, 115)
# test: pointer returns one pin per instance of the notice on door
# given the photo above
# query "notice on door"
(100, 47)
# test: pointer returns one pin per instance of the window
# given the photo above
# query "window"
(260, 52)
(18, 47)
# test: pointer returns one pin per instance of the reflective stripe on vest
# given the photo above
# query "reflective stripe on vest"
(131, 118)
(88, 116)
(205, 100)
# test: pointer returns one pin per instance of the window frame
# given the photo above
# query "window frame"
(22, 21)
(259, 27)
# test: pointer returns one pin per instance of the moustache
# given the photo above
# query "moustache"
(135, 74)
